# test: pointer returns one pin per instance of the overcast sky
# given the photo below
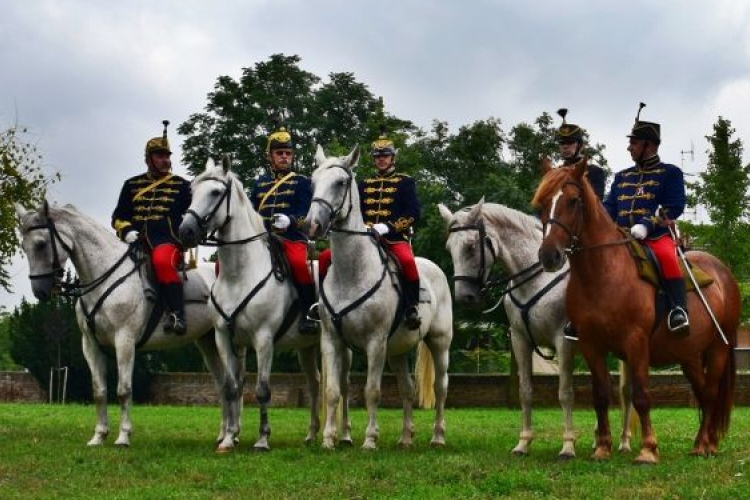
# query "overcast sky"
(92, 80)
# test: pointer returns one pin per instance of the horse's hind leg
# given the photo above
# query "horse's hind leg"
(309, 363)
(400, 366)
(705, 393)
(231, 388)
(125, 362)
(98, 365)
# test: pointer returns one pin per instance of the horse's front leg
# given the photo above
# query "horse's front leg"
(264, 356)
(376, 351)
(566, 356)
(231, 388)
(638, 363)
(98, 366)
(400, 366)
(207, 346)
(522, 351)
(440, 349)
(125, 354)
(346, 424)
(333, 353)
(307, 357)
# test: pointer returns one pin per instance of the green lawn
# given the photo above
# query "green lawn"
(44, 455)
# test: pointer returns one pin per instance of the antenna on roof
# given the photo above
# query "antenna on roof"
(684, 152)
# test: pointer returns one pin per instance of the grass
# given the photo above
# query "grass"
(44, 455)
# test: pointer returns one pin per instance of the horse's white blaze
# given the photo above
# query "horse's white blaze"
(552, 210)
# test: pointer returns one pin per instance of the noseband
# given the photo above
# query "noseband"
(486, 242)
(335, 212)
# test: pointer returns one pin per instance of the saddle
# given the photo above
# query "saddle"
(649, 269)
(196, 290)
(397, 276)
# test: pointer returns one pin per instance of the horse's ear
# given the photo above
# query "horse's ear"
(445, 213)
(210, 164)
(476, 211)
(20, 210)
(352, 159)
(546, 165)
(581, 168)
(226, 164)
(320, 155)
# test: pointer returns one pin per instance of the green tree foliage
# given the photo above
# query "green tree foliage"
(722, 188)
(22, 180)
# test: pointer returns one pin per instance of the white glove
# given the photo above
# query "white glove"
(381, 228)
(639, 231)
(131, 237)
(281, 221)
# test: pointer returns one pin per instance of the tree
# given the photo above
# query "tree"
(722, 188)
(22, 180)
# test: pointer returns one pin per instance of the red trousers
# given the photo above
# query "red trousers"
(665, 250)
(165, 258)
(296, 254)
(401, 249)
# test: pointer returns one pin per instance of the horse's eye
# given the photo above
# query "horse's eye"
(216, 192)
(573, 202)
(40, 245)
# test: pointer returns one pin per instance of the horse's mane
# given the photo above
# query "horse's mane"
(57, 213)
(553, 181)
(504, 216)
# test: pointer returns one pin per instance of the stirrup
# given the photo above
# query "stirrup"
(678, 321)
(175, 324)
(313, 314)
(569, 332)
(308, 326)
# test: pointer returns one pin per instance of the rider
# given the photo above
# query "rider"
(282, 197)
(390, 207)
(640, 198)
(571, 146)
(150, 210)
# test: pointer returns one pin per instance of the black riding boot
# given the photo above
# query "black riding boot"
(175, 319)
(677, 321)
(411, 296)
(307, 326)
(570, 331)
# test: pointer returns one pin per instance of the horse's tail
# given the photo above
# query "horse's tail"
(725, 396)
(424, 373)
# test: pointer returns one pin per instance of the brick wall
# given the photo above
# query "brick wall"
(20, 387)
(465, 390)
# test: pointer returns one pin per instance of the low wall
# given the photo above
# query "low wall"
(465, 390)
(20, 387)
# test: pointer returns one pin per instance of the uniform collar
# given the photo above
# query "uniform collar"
(388, 173)
(278, 174)
(573, 160)
(650, 162)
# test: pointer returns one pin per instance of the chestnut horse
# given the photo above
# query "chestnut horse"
(615, 311)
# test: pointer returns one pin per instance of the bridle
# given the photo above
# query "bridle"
(486, 243)
(336, 212)
(57, 271)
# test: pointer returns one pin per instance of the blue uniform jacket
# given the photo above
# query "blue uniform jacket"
(391, 199)
(152, 206)
(637, 193)
(290, 197)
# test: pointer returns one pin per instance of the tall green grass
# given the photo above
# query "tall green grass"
(43, 455)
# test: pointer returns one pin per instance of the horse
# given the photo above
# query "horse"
(253, 302)
(616, 312)
(111, 309)
(483, 234)
(360, 305)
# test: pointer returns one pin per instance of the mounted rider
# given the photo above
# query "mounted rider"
(641, 197)
(149, 210)
(282, 197)
(570, 140)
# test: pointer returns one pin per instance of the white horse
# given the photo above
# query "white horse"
(534, 300)
(111, 309)
(359, 305)
(252, 302)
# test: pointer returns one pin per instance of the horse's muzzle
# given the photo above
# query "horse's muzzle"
(190, 234)
(552, 257)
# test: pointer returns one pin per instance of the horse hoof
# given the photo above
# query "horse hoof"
(601, 455)
(519, 453)
(646, 458)
(564, 457)
(437, 443)
(261, 448)
(347, 443)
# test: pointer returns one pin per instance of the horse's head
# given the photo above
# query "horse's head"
(211, 204)
(472, 250)
(45, 247)
(562, 198)
(333, 188)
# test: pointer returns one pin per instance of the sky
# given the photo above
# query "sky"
(92, 80)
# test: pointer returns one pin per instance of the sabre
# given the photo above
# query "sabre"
(672, 232)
